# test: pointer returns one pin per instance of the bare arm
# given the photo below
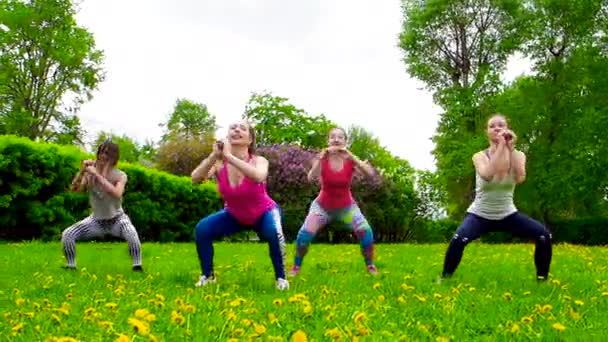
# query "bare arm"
(114, 190)
(495, 168)
(315, 170)
(79, 182)
(519, 166)
(363, 167)
(257, 172)
(205, 169)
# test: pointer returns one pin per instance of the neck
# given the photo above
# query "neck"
(241, 152)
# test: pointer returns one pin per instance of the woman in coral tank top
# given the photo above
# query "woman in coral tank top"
(335, 167)
(241, 178)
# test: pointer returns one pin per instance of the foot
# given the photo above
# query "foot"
(137, 268)
(442, 277)
(203, 280)
(282, 284)
(541, 278)
(71, 268)
(372, 269)
(294, 271)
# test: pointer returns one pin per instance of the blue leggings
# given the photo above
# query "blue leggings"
(517, 223)
(222, 223)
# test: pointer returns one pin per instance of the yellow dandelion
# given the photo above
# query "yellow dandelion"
(307, 309)
(141, 313)
(111, 306)
(333, 333)
(579, 302)
(299, 336)
(604, 294)
(575, 315)
(330, 316)
(153, 338)
(420, 298)
(363, 331)
(238, 332)
(406, 287)
(20, 301)
(66, 339)
(442, 339)
(177, 318)
(189, 308)
(208, 297)
(437, 295)
(514, 328)
(546, 308)
(231, 315)
(141, 327)
(381, 298)
(455, 290)
(56, 318)
(507, 296)
(359, 317)
(105, 324)
(233, 340)
(527, 293)
(471, 289)
(376, 286)
(278, 302)
(272, 318)
(401, 299)
(160, 297)
(527, 319)
(558, 327)
(260, 329)
(122, 338)
(246, 322)
(17, 327)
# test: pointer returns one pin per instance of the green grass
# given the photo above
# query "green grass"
(492, 297)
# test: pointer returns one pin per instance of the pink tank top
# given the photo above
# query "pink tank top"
(335, 185)
(248, 201)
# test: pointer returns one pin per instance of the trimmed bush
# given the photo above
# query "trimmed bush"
(36, 201)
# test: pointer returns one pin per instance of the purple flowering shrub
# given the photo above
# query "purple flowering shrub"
(289, 187)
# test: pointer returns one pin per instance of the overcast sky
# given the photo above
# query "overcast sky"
(336, 57)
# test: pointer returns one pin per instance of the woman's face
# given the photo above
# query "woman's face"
(336, 138)
(496, 126)
(238, 133)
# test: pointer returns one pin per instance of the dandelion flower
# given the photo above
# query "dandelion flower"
(442, 339)
(260, 329)
(20, 301)
(333, 333)
(246, 322)
(527, 319)
(111, 306)
(122, 338)
(66, 339)
(177, 318)
(579, 302)
(299, 336)
(272, 318)
(559, 327)
(376, 286)
(140, 326)
(359, 317)
(514, 328)
(278, 302)
(17, 327)
(238, 332)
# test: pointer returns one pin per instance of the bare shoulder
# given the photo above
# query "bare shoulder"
(479, 156)
(260, 160)
(519, 154)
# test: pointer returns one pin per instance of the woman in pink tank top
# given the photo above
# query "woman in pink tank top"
(335, 167)
(241, 178)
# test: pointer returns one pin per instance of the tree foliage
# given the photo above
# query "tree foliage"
(49, 66)
(278, 122)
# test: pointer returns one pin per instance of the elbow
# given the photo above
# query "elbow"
(259, 177)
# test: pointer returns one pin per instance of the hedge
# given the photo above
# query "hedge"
(36, 201)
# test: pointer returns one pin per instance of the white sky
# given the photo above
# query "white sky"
(336, 57)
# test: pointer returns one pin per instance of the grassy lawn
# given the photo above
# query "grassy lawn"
(492, 297)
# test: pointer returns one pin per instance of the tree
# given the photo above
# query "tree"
(45, 59)
(459, 48)
(277, 122)
(188, 138)
(189, 120)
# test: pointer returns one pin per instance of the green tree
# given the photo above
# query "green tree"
(459, 48)
(188, 138)
(277, 121)
(45, 59)
(189, 120)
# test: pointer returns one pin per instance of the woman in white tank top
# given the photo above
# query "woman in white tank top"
(498, 170)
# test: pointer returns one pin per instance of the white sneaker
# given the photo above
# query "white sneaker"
(203, 280)
(282, 284)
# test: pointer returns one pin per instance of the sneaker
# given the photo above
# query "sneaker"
(372, 269)
(138, 268)
(541, 279)
(203, 280)
(294, 271)
(71, 268)
(282, 284)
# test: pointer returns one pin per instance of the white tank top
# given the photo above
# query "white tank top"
(103, 205)
(493, 199)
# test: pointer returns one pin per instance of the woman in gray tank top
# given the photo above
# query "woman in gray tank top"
(105, 184)
(498, 170)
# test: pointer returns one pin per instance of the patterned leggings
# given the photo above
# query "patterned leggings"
(318, 217)
(91, 228)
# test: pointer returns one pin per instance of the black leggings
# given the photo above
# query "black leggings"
(517, 223)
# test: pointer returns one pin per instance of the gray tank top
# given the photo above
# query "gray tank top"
(104, 205)
(493, 199)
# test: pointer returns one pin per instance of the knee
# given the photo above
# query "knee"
(460, 240)
(202, 231)
(545, 237)
(66, 235)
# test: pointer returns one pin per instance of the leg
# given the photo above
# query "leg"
(354, 219)
(212, 227)
(270, 228)
(471, 228)
(316, 219)
(84, 230)
(524, 226)
(123, 228)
